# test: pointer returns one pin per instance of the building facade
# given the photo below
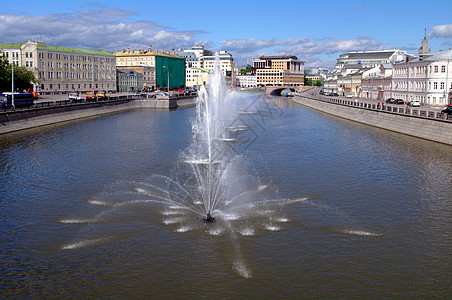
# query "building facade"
(155, 66)
(200, 62)
(246, 81)
(279, 70)
(62, 69)
(428, 80)
(378, 85)
(129, 80)
(366, 59)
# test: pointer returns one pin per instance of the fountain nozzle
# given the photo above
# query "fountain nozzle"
(209, 218)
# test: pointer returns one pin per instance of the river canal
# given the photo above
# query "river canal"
(374, 219)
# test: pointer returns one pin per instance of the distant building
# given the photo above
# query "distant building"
(279, 70)
(424, 49)
(378, 85)
(63, 69)
(364, 59)
(158, 68)
(128, 80)
(246, 81)
(200, 62)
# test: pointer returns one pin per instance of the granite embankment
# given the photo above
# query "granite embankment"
(418, 126)
(20, 120)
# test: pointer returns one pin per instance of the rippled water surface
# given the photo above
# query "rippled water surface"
(371, 212)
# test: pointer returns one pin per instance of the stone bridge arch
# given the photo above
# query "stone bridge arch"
(277, 90)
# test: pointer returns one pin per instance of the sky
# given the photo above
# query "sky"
(315, 31)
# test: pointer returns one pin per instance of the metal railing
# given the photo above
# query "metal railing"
(60, 103)
(384, 108)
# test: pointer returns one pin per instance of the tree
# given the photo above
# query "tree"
(23, 78)
(5, 74)
(245, 71)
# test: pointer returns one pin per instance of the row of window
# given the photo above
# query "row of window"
(59, 56)
(420, 86)
(50, 64)
(421, 70)
(72, 75)
(74, 86)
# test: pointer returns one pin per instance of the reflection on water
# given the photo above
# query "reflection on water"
(371, 212)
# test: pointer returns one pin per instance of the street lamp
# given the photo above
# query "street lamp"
(167, 71)
(12, 85)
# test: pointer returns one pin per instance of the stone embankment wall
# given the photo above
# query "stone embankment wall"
(20, 120)
(429, 129)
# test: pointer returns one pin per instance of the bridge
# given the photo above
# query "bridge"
(277, 90)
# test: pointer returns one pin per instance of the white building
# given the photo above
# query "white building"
(246, 81)
(367, 59)
(427, 80)
(199, 62)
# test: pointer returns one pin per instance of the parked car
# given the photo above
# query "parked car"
(415, 103)
(448, 110)
(90, 96)
(390, 100)
(102, 95)
(75, 97)
(398, 101)
(349, 96)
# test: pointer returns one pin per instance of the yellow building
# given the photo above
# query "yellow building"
(279, 70)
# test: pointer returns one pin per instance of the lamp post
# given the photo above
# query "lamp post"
(167, 71)
(12, 85)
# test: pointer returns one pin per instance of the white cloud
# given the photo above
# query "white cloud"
(303, 48)
(106, 29)
(441, 31)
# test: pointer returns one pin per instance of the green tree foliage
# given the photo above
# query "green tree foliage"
(23, 78)
(5, 74)
(245, 71)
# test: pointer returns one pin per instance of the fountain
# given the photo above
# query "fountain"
(211, 182)
(215, 179)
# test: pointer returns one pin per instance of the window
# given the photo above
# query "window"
(436, 69)
(442, 86)
(443, 69)
(435, 85)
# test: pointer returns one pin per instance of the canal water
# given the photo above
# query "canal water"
(371, 215)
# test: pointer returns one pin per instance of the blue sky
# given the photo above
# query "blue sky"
(315, 31)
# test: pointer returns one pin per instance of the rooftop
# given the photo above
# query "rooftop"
(129, 52)
(368, 55)
(42, 46)
(441, 55)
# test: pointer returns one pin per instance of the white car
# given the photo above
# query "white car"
(415, 103)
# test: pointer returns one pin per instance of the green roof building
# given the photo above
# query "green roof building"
(63, 69)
